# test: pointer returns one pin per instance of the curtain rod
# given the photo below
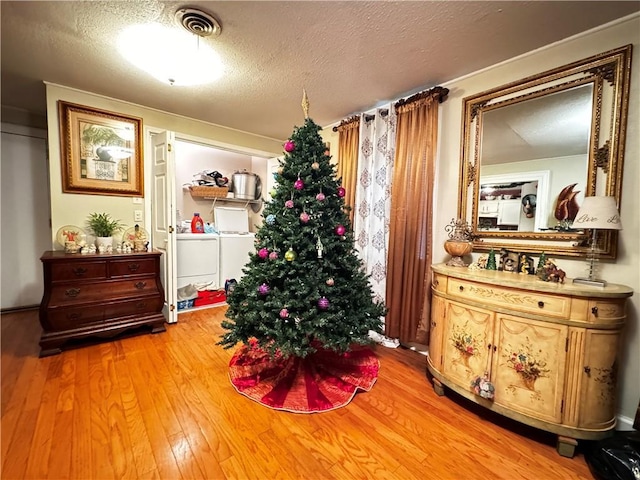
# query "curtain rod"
(439, 92)
(346, 122)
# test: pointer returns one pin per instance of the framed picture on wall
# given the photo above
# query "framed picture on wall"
(101, 151)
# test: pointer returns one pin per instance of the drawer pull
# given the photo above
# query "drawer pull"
(594, 310)
(72, 292)
(461, 288)
(541, 304)
(141, 305)
(74, 316)
(79, 271)
(495, 348)
(587, 370)
(140, 285)
(134, 267)
(489, 346)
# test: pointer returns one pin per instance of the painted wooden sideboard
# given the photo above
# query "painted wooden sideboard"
(548, 350)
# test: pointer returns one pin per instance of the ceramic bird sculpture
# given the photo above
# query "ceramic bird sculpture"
(566, 205)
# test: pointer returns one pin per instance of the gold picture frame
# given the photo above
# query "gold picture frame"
(101, 152)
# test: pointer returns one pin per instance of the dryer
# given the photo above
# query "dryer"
(236, 242)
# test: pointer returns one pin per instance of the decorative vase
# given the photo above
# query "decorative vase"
(457, 249)
(104, 243)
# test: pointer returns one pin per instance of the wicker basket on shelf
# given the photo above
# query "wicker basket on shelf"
(209, 192)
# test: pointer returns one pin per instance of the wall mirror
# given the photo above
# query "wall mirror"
(534, 148)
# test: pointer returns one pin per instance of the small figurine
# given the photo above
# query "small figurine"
(551, 273)
(483, 387)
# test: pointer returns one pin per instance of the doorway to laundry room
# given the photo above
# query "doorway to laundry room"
(192, 176)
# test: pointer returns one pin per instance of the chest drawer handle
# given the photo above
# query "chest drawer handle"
(141, 305)
(594, 310)
(74, 316)
(134, 267)
(541, 304)
(72, 292)
(79, 271)
(461, 288)
(140, 285)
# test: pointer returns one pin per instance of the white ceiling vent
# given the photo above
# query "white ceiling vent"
(198, 22)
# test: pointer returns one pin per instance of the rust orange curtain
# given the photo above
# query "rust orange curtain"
(348, 138)
(408, 295)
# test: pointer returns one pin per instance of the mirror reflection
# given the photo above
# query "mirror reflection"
(534, 149)
(547, 134)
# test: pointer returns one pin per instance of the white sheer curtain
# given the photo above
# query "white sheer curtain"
(376, 153)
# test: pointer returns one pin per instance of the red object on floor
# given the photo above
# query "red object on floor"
(208, 297)
(319, 382)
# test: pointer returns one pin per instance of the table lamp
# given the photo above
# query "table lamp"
(596, 213)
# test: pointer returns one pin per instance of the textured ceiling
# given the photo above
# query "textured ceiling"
(350, 56)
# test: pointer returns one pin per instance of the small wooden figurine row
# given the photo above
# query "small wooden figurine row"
(521, 263)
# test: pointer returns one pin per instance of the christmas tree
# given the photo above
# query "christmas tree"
(491, 261)
(304, 287)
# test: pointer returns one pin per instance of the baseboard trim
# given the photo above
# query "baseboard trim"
(624, 423)
(19, 309)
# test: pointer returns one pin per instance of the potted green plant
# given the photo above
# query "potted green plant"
(103, 227)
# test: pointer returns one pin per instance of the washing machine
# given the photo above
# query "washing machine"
(198, 260)
(236, 242)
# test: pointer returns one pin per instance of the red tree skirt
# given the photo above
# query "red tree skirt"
(317, 383)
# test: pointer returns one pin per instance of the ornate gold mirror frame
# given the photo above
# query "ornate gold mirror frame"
(513, 162)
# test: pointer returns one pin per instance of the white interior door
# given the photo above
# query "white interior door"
(163, 216)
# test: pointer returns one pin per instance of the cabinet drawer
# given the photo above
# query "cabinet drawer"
(439, 282)
(70, 318)
(63, 272)
(102, 291)
(139, 306)
(122, 268)
(516, 300)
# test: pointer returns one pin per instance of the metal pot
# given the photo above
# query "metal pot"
(246, 185)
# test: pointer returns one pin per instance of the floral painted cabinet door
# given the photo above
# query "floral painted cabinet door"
(466, 353)
(598, 379)
(529, 365)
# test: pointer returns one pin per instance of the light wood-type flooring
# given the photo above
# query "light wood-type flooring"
(161, 406)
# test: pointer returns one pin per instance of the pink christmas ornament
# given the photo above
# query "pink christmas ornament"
(298, 184)
(273, 255)
(288, 204)
(304, 217)
(323, 303)
(330, 282)
(341, 192)
(263, 253)
(320, 197)
(284, 313)
(263, 289)
(340, 229)
(289, 146)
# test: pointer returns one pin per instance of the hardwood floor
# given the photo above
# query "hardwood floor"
(162, 406)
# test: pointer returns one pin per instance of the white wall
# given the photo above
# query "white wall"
(73, 209)
(193, 158)
(25, 214)
(626, 270)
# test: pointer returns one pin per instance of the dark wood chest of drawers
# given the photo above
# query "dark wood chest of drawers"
(98, 296)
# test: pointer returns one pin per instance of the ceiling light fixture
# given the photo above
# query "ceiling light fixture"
(174, 56)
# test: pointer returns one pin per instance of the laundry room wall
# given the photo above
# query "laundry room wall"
(193, 158)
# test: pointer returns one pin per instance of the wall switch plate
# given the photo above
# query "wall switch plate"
(137, 215)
